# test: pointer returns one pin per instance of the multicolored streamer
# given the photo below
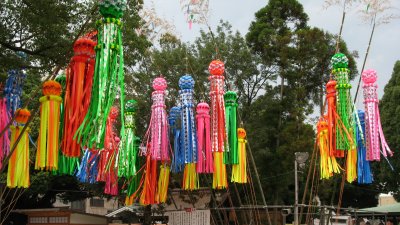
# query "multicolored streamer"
(328, 164)
(239, 170)
(344, 103)
(373, 127)
(332, 118)
(108, 76)
(18, 166)
(205, 163)
(363, 168)
(78, 87)
(218, 129)
(88, 169)
(189, 134)
(231, 155)
(155, 147)
(47, 150)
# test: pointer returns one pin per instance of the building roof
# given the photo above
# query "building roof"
(385, 209)
(60, 209)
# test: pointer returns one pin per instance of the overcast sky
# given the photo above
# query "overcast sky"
(384, 52)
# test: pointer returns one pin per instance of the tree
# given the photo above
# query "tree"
(386, 179)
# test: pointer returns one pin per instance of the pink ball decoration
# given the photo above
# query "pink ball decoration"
(202, 107)
(159, 84)
(369, 76)
(216, 68)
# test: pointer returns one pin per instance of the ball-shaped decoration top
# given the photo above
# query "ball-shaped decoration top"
(131, 105)
(112, 8)
(230, 96)
(174, 112)
(369, 76)
(202, 108)
(322, 125)
(84, 46)
(186, 82)
(216, 68)
(241, 133)
(159, 84)
(331, 86)
(51, 87)
(339, 60)
(22, 115)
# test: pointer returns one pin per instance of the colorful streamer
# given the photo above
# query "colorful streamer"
(5, 138)
(328, 164)
(344, 103)
(231, 152)
(155, 147)
(18, 166)
(363, 168)
(88, 169)
(239, 170)
(332, 119)
(79, 80)
(218, 131)
(373, 127)
(108, 76)
(47, 150)
(205, 162)
(189, 133)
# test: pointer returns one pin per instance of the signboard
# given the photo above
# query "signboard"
(189, 216)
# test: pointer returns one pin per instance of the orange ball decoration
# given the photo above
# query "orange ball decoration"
(241, 133)
(216, 68)
(51, 87)
(22, 115)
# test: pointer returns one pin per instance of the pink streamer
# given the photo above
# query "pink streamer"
(4, 139)
(373, 128)
(108, 170)
(158, 143)
(204, 152)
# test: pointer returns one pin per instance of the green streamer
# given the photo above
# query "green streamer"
(108, 76)
(344, 103)
(231, 153)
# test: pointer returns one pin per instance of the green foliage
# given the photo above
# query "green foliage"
(386, 179)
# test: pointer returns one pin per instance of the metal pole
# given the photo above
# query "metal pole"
(296, 195)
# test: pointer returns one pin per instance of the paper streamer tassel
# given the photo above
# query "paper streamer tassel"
(344, 103)
(328, 164)
(163, 182)
(363, 167)
(178, 159)
(231, 153)
(47, 150)
(108, 76)
(239, 171)
(5, 138)
(18, 166)
(373, 127)
(205, 162)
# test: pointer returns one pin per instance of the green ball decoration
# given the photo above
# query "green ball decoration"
(112, 8)
(131, 105)
(339, 60)
(230, 97)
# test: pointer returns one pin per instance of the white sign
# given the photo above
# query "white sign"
(195, 217)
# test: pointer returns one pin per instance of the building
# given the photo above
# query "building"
(95, 205)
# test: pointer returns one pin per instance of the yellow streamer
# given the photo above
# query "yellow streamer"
(239, 171)
(18, 166)
(351, 165)
(190, 177)
(47, 152)
(163, 182)
(328, 164)
(219, 175)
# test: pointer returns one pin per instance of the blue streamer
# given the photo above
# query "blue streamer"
(363, 166)
(13, 89)
(178, 155)
(186, 83)
(88, 169)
